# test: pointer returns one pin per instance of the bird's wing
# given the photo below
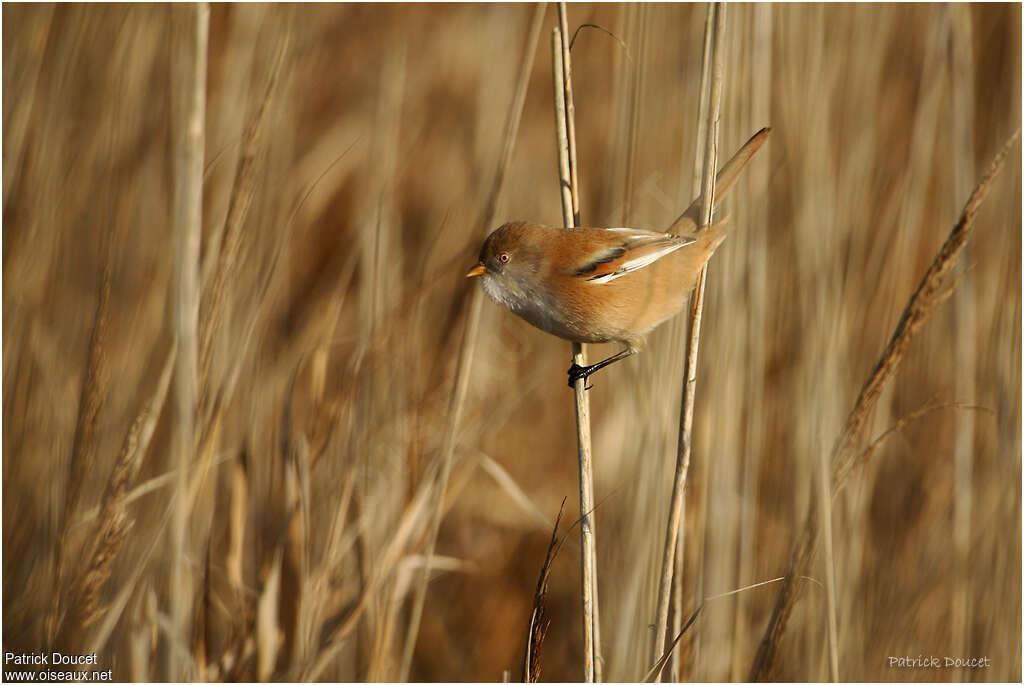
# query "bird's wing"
(623, 250)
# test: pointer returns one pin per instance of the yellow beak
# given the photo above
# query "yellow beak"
(478, 270)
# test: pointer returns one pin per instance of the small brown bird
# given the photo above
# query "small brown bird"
(595, 285)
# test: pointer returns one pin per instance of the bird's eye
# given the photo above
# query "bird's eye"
(503, 258)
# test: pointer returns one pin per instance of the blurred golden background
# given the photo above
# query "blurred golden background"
(350, 152)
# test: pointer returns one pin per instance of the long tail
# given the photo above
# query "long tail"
(690, 219)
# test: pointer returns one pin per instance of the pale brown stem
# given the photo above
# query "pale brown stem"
(685, 444)
(188, 216)
(697, 180)
(574, 186)
(570, 200)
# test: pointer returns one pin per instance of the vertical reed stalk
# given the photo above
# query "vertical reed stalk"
(710, 153)
(565, 136)
(697, 180)
(570, 113)
(582, 411)
(468, 344)
(570, 108)
(188, 216)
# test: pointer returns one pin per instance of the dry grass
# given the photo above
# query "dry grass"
(537, 628)
(350, 160)
(933, 290)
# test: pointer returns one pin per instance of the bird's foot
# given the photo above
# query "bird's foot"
(577, 372)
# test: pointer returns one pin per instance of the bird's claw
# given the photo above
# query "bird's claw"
(577, 372)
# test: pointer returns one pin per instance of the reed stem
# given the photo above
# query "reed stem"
(188, 217)
(567, 178)
(684, 449)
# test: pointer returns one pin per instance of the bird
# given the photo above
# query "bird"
(600, 285)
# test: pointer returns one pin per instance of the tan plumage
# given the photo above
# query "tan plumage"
(594, 285)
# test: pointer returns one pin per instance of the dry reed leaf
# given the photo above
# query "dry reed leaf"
(144, 488)
(201, 648)
(83, 445)
(537, 628)
(96, 378)
(864, 455)
(212, 422)
(114, 523)
(237, 516)
(228, 243)
(294, 567)
(142, 637)
(508, 484)
(654, 675)
(268, 631)
(334, 631)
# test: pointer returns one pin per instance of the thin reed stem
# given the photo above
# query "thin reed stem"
(188, 217)
(685, 444)
(570, 112)
(697, 180)
(587, 464)
(564, 132)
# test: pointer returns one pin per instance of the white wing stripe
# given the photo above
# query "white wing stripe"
(637, 263)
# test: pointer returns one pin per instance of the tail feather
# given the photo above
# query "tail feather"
(689, 222)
